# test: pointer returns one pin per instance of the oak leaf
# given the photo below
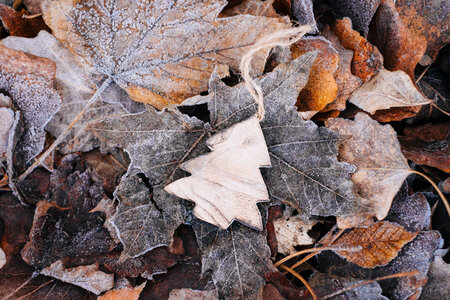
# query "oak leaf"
(375, 150)
(226, 184)
(88, 277)
(367, 60)
(385, 90)
(380, 243)
(160, 52)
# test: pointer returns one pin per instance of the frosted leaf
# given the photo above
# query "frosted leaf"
(76, 82)
(28, 80)
(6, 123)
(159, 51)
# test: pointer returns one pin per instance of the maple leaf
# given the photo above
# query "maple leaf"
(171, 46)
(380, 243)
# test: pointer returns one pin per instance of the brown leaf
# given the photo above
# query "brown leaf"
(385, 90)
(433, 154)
(359, 11)
(345, 80)
(16, 25)
(380, 244)
(230, 171)
(428, 132)
(251, 7)
(367, 60)
(123, 293)
(269, 292)
(321, 88)
(375, 150)
(179, 294)
(171, 47)
(88, 277)
(400, 48)
(274, 213)
(33, 6)
(428, 20)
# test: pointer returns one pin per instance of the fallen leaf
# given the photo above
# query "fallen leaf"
(285, 286)
(360, 12)
(270, 292)
(193, 294)
(428, 132)
(292, 231)
(367, 60)
(321, 88)
(400, 48)
(6, 123)
(325, 284)
(345, 80)
(33, 6)
(123, 293)
(274, 212)
(385, 90)
(230, 172)
(75, 81)
(62, 223)
(438, 285)
(412, 212)
(380, 244)
(302, 12)
(16, 25)
(29, 82)
(88, 277)
(153, 68)
(251, 7)
(2, 258)
(375, 150)
(428, 20)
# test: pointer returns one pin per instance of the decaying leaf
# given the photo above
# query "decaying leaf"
(385, 90)
(16, 25)
(438, 285)
(321, 88)
(237, 258)
(160, 52)
(302, 12)
(324, 285)
(367, 60)
(29, 82)
(64, 215)
(251, 7)
(226, 184)
(428, 19)
(400, 48)
(88, 277)
(128, 293)
(359, 11)
(380, 243)
(193, 294)
(375, 150)
(292, 231)
(76, 82)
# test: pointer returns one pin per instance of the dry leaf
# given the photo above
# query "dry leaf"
(359, 11)
(6, 123)
(2, 258)
(76, 84)
(427, 19)
(126, 293)
(434, 154)
(33, 6)
(438, 285)
(159, 52)
(345, 80)
(375, 150)
(380, 244)
(385, 90)
(400, 48)
(189, 294)
(367, 60)
(321, 88)
(302, 12)
(292, 231)
(411, 212)
(16, 25)
(251, 7)
(226, 184)
(29, 82)
(88, 277)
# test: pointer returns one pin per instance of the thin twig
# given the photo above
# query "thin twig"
(299, 277)
(423, 73)
(66, 131)
(403, 274)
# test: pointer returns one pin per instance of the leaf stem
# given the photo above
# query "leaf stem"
(66, 131)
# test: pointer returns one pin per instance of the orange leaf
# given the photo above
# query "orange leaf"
(17, 26)
(380, 243)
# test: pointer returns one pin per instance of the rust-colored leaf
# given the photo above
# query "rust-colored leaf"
(16, 25)
(400, 48)
(367, 60)
(380, 243)
(427, 19)
(127, 293)
(321, 88)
